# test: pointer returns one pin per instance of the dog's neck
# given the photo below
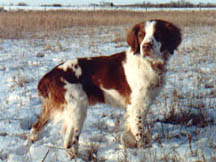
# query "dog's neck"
(159, 64)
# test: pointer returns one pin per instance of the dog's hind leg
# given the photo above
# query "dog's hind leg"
(74, 117)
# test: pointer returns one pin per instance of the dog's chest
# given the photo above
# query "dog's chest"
(140, 74)
(144, 78)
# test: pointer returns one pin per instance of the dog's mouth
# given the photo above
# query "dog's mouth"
(147, 52)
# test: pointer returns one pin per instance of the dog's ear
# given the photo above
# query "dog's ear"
(132, 39)
(172, 37)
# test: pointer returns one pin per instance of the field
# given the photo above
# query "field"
(181, 123)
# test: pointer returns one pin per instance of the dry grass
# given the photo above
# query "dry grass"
(16, 24)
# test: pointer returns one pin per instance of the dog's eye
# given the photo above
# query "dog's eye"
(141, 35)
(157, 35)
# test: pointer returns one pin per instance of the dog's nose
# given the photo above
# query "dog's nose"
(147, 46)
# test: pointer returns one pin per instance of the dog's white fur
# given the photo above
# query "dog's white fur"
(135, 68)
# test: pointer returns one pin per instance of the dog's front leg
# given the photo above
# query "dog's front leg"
(136, 115)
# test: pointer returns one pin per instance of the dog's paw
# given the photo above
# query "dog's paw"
(72, 154)
(128, 140)
(33, 135)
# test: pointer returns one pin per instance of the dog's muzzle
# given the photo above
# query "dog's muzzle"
(147, 48)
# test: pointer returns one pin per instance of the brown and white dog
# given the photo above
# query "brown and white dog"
(129, 79)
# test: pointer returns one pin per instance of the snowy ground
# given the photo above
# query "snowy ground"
(181, 124)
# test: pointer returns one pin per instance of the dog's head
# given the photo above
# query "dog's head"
(154, 38)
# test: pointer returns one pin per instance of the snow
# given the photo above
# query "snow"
(23, 62)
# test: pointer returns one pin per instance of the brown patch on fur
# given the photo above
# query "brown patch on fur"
(106, 72)
(127, 100)
(135, 37)
(168, 34)
(158, 66)
(51, 86)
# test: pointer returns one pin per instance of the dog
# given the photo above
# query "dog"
(130, 79)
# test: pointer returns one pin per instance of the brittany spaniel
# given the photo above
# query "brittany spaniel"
(129, 79)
